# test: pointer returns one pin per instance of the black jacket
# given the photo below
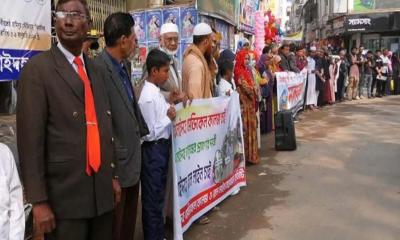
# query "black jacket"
(128, 124)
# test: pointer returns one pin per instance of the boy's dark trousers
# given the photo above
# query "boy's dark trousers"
(155, 157)
(381, 88)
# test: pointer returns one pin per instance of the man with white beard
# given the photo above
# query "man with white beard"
(169, 43)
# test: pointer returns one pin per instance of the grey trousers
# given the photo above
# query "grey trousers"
(361, 85)
(368, 82)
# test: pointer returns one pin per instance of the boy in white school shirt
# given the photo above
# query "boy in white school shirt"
(158, 115)
(226, 86)
(12, 216)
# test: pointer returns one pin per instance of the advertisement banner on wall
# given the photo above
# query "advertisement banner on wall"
(290, 90)
(189, 18)
(246, 18)
(371, 5)
(208, 157)
(147, 28)
(227, 9)
(223, 28)
(172, 15)
(139, 28)
(153, 23)
(25, 30)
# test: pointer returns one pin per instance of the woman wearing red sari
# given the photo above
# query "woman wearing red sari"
(245, 86)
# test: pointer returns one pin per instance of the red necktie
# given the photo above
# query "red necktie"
(93, 158)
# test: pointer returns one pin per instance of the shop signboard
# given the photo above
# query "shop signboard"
(378, 22)
(227, 9)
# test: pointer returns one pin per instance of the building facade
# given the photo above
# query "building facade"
(346, 23)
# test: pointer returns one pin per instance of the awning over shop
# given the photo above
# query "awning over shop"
(294, 37)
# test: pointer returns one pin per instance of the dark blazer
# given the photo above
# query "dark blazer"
(52, 137)
(128, 124)
(288, 63)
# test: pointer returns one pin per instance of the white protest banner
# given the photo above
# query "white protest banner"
(25, 30)
(208, 157)
(290, 90)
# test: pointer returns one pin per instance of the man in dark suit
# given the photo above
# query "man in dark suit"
(65, 135)
(128, 123)
(288, 60)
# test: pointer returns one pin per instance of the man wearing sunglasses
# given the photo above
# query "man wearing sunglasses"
(64, 135)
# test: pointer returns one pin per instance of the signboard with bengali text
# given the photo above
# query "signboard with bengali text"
(25, 30)
(290, 90)
(208, 157)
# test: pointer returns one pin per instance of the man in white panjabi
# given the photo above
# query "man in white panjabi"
(312, 93)
(12, 217)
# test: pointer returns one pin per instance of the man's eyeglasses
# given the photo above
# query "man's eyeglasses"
(73, 15)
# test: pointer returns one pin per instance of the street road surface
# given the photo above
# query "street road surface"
(343, 182)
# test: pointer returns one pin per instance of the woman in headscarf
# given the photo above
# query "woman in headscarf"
(245, 86)
(266, 113)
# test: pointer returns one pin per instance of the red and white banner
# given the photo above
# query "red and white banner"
(208, 157)
(290, 90)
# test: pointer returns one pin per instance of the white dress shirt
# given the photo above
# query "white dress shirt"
(12, 216)
(70, 57)
(154, 110)
(224, 86)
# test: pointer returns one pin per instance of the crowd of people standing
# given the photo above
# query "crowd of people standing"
(88, 138)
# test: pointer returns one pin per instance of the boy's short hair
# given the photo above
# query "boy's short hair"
(225, 66)
(156, 59)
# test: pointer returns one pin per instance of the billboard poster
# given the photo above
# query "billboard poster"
(172, 15)
(184, 46)
(153, 24)
(370, 5)
(189, 19)
(140, 30)
(247, 10)
(223, 28)
(25, 30)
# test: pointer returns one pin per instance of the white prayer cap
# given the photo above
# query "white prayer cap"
(313, 48)
(202, 29)
(169, 28)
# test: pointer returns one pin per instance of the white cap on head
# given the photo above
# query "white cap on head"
(202, 29)
(169, 28)
(313, 48)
